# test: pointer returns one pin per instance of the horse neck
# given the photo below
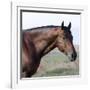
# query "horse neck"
(49, 48)
(44, 41)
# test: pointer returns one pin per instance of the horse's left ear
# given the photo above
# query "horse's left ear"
(69, 26)
(62, 25)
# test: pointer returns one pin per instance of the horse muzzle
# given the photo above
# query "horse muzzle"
(72, 56)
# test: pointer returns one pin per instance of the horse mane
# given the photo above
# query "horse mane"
(41, 27)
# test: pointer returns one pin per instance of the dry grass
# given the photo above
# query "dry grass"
(57, 64)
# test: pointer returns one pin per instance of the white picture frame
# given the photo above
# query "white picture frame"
(16, 81)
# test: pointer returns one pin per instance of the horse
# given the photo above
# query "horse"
(37, 42)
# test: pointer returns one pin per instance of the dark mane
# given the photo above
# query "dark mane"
(42, 27)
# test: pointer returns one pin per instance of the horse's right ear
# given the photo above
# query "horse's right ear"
(62, 25)
(69, 26)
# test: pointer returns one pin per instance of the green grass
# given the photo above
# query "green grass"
(57, 64)
(62, 72)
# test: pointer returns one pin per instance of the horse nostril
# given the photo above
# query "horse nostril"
(74, 55)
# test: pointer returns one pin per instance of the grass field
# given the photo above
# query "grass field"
(57, 64)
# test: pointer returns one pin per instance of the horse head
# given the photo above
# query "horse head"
(64, 42)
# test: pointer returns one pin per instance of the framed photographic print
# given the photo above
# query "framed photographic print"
(46, 44)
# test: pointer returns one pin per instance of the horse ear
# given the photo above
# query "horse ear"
(69, 26)
(62, 25)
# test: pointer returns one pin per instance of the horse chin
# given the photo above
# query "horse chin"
(72, 60)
